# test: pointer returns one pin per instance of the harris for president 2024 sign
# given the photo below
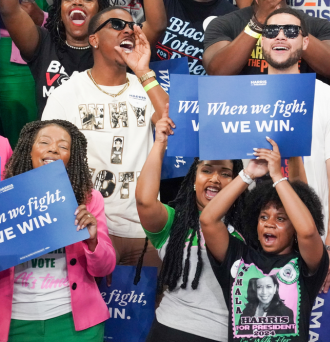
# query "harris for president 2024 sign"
(236, 113)
(37, 214)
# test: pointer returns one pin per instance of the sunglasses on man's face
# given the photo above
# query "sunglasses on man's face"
(272, 31)
(118, 24)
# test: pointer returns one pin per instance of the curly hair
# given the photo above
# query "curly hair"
(187, 218)
(77, 167)
(263, 195)
(55, 25)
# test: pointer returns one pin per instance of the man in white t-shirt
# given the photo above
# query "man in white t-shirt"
(112, 108)
(283, 54)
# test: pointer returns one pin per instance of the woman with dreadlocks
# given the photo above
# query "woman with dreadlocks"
(54, 54)
(284, 253)
(61, 302)
(193, 307)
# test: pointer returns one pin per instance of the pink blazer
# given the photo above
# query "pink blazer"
(88, 306)
(5, 154)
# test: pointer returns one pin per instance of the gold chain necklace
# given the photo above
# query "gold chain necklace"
(89, 73)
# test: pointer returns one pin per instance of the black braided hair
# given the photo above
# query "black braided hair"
(55, 25)
(265, 194)
(186, 218)
(77, 167)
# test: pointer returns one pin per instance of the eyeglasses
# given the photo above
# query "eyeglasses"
(272, 31)
(118, 24)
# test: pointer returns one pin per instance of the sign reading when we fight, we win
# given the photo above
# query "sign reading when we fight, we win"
(225, 117)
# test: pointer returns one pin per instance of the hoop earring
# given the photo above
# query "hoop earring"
(194, 187)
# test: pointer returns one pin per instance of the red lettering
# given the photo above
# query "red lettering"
(49, 80)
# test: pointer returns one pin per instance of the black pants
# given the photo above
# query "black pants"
(162, 333)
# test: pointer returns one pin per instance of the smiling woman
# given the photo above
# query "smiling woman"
(37, 312)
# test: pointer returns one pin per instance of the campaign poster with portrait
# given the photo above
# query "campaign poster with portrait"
(265, 305)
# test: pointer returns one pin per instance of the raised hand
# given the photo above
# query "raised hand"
(164, 126)
(266, 161)
(265, 7)
(138, 60)
(85, 219)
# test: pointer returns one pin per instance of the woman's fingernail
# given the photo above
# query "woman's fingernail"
(267, 138)
(76, 212)
(75, 222)
(255, 149)
(78, 227)
(257, 158)
(255, 153)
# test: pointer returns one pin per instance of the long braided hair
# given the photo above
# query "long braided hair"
(54, 23)
(187, 218)
(77, 167)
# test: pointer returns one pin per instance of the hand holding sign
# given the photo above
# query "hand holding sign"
(266, 161)
(85, 219)
(164, 127)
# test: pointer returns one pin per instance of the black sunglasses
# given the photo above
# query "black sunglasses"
(272, 31)
(118, 24)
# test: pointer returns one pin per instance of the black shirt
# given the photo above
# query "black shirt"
(245, 277)
(184, 35)
(51, 66)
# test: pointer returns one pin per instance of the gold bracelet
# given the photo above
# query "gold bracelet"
(251, 33)
(146, 76)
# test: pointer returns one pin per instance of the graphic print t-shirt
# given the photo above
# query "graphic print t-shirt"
(50, 67)
(269, 297)
(184, 35)
(227, 28)
(119, 134)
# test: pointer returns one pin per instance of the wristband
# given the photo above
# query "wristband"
(282, 179)
(245, 178)
(251, 33)
(151, 85)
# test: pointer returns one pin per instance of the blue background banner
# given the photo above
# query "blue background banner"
(238, 112)
(37, 214)
(184, 109)
(319, 328)
(177, 166)
(131, 307)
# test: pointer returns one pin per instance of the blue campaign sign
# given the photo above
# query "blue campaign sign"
(37, 214)
(184, 109)
(177, 166)
(164, 69)
(238, 112)
(131, 307)
(319, 327)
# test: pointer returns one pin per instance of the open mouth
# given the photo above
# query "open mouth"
(127, 46)
(280, 48)
(211, 192)
(78, 17)
(48, 161)
(270, 238)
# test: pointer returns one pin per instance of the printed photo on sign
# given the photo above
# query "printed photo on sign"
(140, 114)
(91, 116)
(117, 150)
(125, 178)
(105, 182)
(266, 304)
(118, 114)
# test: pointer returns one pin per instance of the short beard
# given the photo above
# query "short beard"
(292, 60)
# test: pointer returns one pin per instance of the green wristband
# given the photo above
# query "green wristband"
(151, 85)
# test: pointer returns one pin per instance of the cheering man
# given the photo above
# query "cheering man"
(117, 100)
